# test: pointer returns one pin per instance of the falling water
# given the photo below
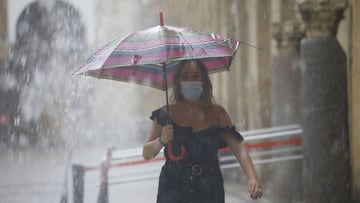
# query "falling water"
(49, 42)
(53, 112)
(53, 107)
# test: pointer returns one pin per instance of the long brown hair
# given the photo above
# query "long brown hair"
(206, 98)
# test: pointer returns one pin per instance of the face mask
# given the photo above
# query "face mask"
(191, 90)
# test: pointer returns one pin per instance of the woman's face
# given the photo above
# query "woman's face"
(190, 72)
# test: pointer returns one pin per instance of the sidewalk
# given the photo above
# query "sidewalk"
(37, 176)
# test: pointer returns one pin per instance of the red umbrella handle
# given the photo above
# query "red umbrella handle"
(172, 156)
(161, 19)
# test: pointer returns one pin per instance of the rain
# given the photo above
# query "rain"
(73, 138)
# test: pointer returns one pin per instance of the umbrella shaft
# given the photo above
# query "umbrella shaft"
(166, 90)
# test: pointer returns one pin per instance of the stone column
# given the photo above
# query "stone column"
(3, 33)
(326, 164)
(355, 99)
(5, 101)
(285, 74)
(285, 110)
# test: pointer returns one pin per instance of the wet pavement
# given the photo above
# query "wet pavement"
(38, 175)
(32, 176)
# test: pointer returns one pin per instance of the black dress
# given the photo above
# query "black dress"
(197, 177)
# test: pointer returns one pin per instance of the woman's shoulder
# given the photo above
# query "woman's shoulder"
(218, 109)
(221, 116)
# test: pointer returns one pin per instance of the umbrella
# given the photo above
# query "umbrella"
(150, 57)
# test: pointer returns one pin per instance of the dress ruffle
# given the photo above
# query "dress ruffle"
(232, 130)
(162, 118)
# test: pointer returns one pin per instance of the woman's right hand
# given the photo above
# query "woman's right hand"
(167, 134)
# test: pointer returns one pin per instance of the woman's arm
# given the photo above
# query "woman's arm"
(241, 154)
(158, 136)
(245, 161)
(152, 145)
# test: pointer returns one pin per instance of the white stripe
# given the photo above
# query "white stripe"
(273, 135)
(227, 166)
(265, 161)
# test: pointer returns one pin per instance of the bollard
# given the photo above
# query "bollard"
(78, 173)
(105, 165)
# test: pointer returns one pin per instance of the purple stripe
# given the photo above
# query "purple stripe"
(220, 47)
(210, 63)
(164, 56)
(170, 41)
(169, 35)
(182, 41)
(154, 78)
(132, 74)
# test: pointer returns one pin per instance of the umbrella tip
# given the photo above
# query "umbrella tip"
(161, 19)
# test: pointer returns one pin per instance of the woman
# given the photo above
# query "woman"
(196, 127)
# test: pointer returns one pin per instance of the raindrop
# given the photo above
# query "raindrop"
(23, 60)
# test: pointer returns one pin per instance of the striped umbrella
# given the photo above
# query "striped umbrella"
(149, 57)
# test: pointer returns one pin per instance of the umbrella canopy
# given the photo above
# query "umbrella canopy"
(143, 57)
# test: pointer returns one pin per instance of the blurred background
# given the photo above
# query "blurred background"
(298, 63)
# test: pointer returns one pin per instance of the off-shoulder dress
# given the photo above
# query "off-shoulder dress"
(196, 178)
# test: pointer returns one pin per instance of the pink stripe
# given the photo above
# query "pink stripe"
(133, 74)
(170, 41)
(214, 66)
(153, 76)
(165, 56)
(210, 63)
(181, 36)
(220, 48)
(148, 44)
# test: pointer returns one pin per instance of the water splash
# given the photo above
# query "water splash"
(50, 42)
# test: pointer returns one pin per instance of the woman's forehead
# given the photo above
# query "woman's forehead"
(190, 66)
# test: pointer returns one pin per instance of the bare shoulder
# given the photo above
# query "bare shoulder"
(222, 116)
(219, 110)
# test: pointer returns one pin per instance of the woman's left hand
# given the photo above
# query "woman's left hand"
(254, 188)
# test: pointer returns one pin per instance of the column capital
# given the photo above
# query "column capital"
(288, 34)
(321, 17)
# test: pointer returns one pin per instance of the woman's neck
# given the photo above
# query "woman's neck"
(195, 104)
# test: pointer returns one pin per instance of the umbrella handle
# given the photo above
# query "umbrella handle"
(172, 156)
(161, 19)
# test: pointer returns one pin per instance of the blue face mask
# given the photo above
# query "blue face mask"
(191, 90)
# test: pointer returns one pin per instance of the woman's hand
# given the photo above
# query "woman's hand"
(254, 188)
(167, 134)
